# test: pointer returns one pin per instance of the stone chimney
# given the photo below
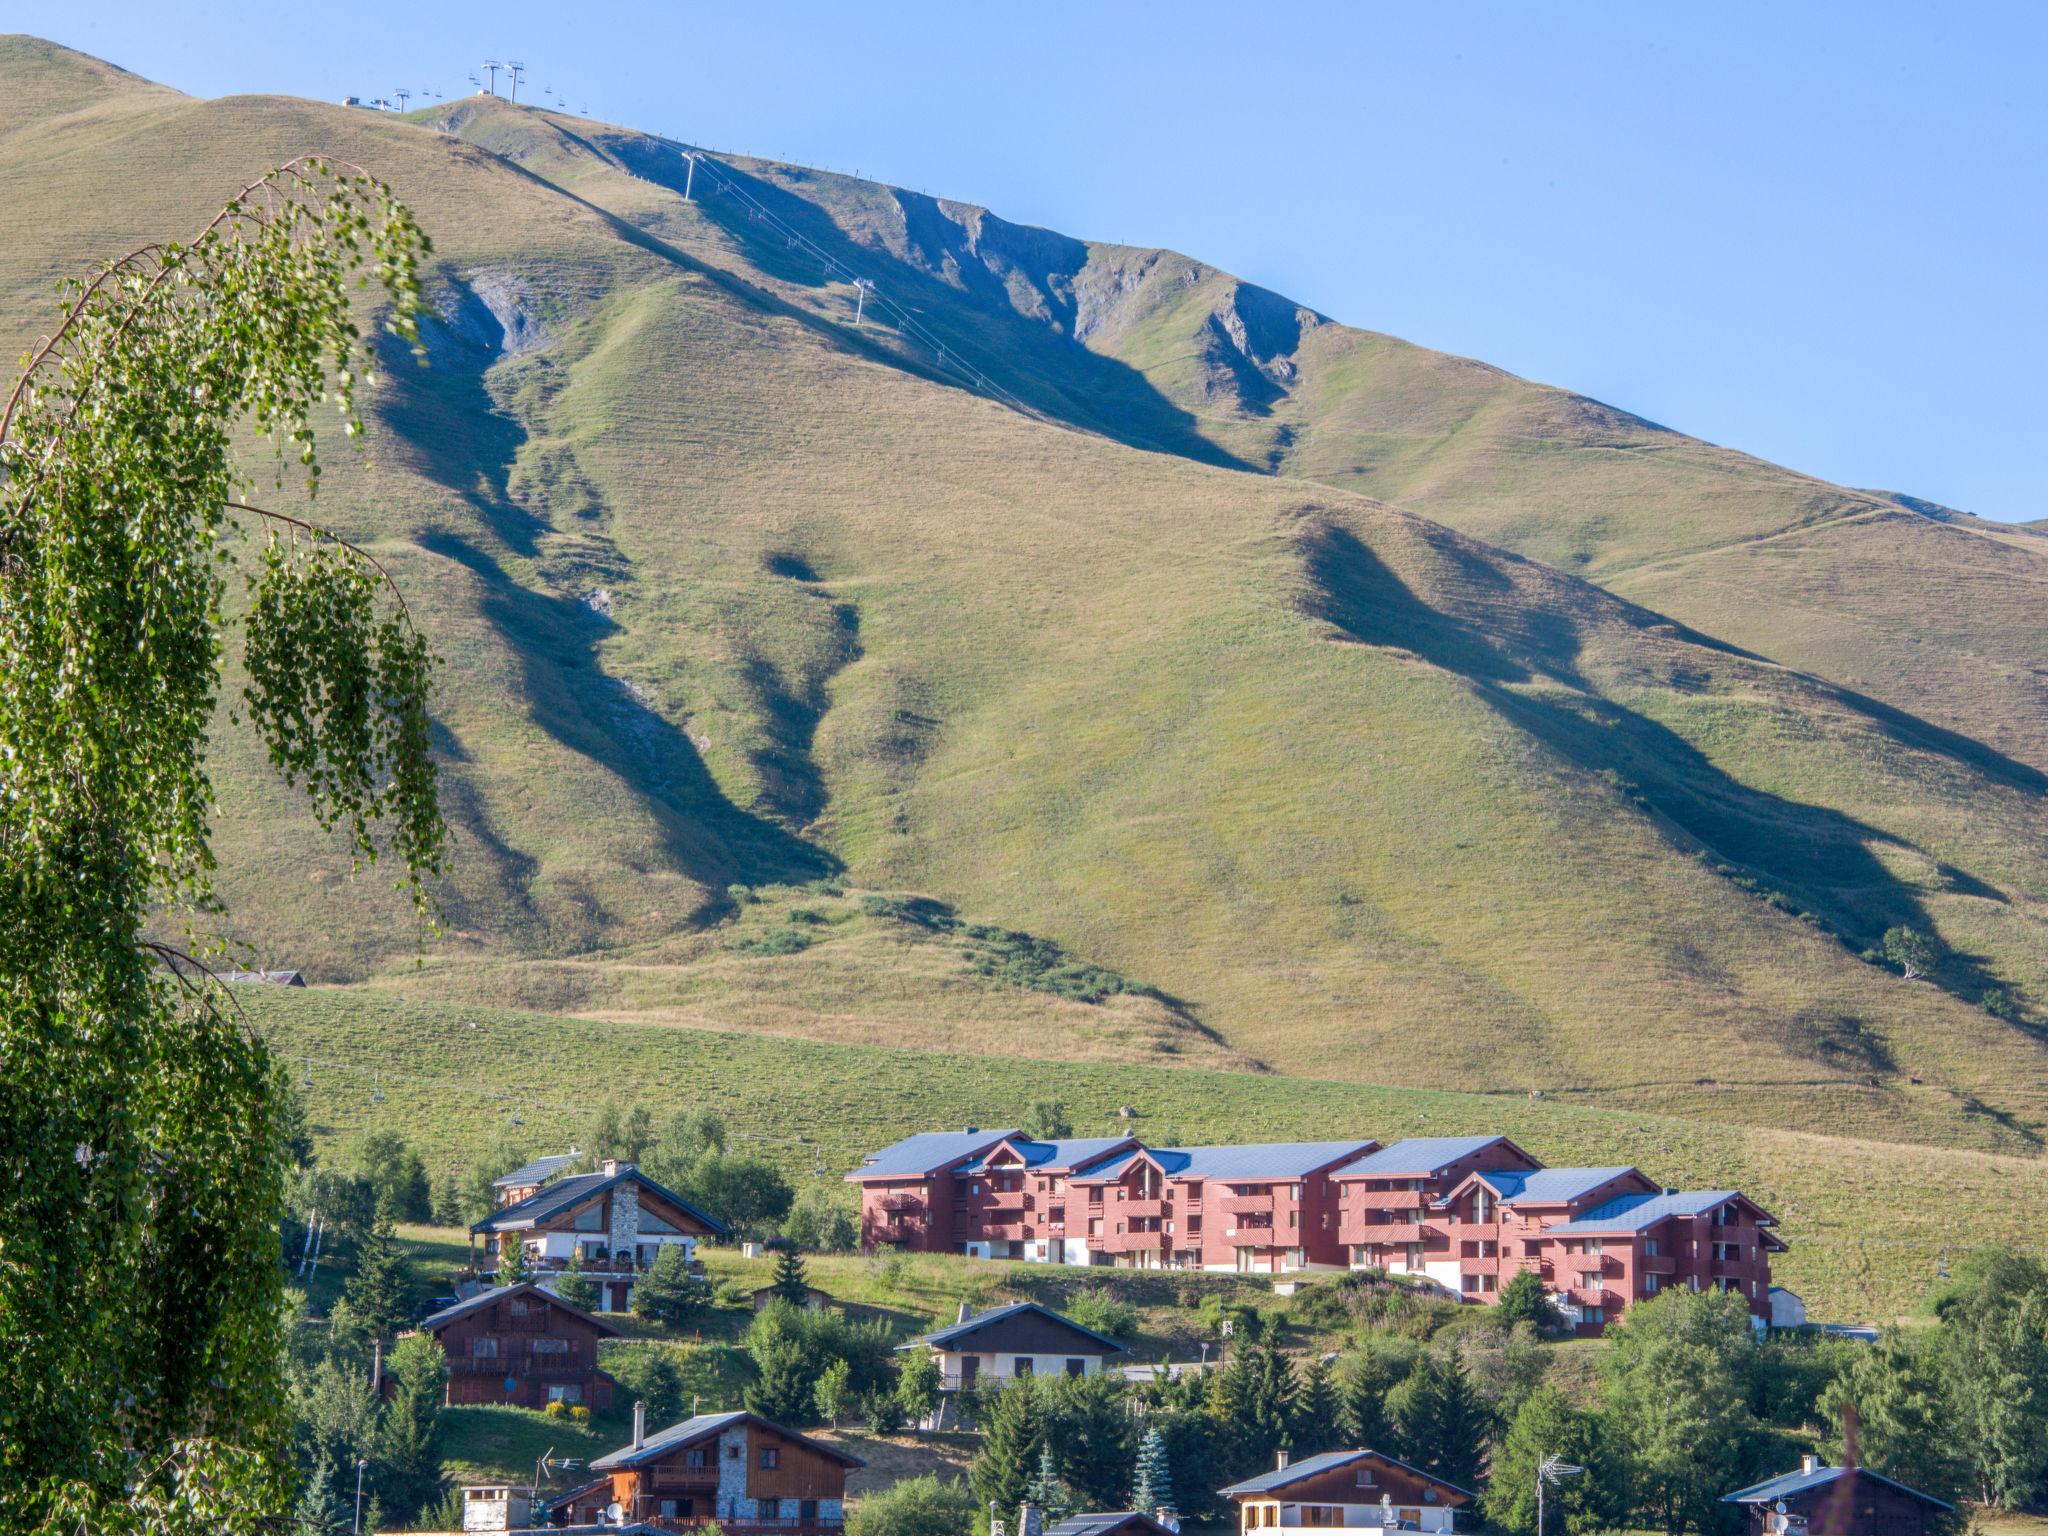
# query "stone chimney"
(1280, 1459)
(965, 1313)
(1809, 1462)
(624, 1236)
(1029, 1521)
(609, 1166)
(639, 1424)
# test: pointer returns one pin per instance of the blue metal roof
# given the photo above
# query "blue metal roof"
(927, 1152)
(1069, 1153)
(1417, 1155)
(1169, 1159)
(1550, 1186)
(1632, 1213)
(953, 1333)
(1265, 1160)
(1788, 1483)
(553, 1199)
(1328, 1461)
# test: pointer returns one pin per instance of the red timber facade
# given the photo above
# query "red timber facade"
(522, 1345)
(615, 1221)
(735, 1469)
(1466, 1214)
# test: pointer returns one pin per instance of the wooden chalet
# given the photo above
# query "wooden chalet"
(736, 1469)
(1347, 1488)
(1836, 1501)
(615, 1222)
(522, 1345)
(1125, 1522)
(1004, 1344)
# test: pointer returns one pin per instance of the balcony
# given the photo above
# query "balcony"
(1006, 1200)
(905, 1202)
(1658, 1263)
(525, 1367)
(1000, 1232)
(1142, 1210)
(897, 1231)
(1246, 1205)
(1132, 1242)
(1398, 1232)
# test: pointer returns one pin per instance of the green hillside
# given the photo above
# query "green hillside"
(733, 594)
(1867, 1221)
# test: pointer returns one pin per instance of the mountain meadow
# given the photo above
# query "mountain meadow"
(1090, 664)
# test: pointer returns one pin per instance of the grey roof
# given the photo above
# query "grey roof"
(943, 1336)
(1328, 1461)
(701, 1427)
(274, 978)
(1417, 1155)
(927, 1152)
(1099, 1524)
(1550, 1186)
(1071, 1152)
(1788, 1483)
(1632, 1213)
(539, 1171)
(553, 1199)
(499, 1293)
(1258, 1160)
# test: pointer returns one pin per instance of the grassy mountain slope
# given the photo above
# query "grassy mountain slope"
(732, 594)
(1866, 1220)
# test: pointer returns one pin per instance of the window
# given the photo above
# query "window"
(590, 1218)
(565, 1392)
(1593, 1315)
(483, 1349)
(1194, 1225)
(551, 1346)
(1192, 1191)
(1022, 1366)
(771, 1456)
(1294, 1218)
(1471, 1282)
(1650, 1247)
(1321, 1515)
(1650, 1283)
(668, 1509)
(807, 1509)
(1365, 1479)
(518, 1306)
(696, 1456)
(1077, 1367)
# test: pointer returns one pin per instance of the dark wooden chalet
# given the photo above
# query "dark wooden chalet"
(520, 1344)
(733, 1468)
(615, 1221)
(1820, 1500)
(1347, 1488)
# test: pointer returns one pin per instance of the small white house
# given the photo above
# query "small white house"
(987, 1350)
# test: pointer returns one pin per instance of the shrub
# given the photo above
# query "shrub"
(917, 1506)
(579, 1415)
(1101, 1310)
(776, 941)
(556, 1409)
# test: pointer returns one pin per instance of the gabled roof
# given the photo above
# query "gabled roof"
(555, 1198)
(1788, 1483)
(925, 1153)
(1632, 1213)
(562, 1500)
(539, 1171)
(945, 1338)
(1054, 1156)
(1548, 1186)
(1133, 1520)
(1259, 1160)
(706, 1426)
(1422, 1156)
(482, 1299)
(1328, 1461)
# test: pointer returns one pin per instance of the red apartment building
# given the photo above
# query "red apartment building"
(1464, 1213)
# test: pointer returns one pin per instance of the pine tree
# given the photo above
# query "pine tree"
(1047, 1492)
(1362, 1422)
(1548, 1425)
(512, 1259)
(790, 1281)
(668, 1292)
(1015, 1435)
(1315, 1408)
(1441, 1421)
(409, 1441)
(448, 1202)
(573, 1286)
(784, 1389)
(1152, 1479)
(1253, 1400)
(382, 1294)
(1906, 1429)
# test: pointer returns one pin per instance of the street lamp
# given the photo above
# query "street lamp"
(1552, 1469)
(357, 1526)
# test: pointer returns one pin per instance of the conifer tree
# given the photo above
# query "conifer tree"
(1548, 1425)
(1362, 1422)
(1441, 1421)
(790, 1281)
(409, 1442)
(1014, 1425)
(382, 1293)
(1047, 1491)
(668, 1292)
(575, 1287)
(1152, 1479)
(512, 1268)
(1316, 1426)
(1252, 1398)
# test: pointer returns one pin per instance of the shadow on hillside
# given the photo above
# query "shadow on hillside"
(1802, 857)
(974, 304)
(554, 640)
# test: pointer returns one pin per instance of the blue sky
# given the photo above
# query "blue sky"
(1812, 231)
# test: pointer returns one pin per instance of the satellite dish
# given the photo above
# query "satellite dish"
(615, 1512)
